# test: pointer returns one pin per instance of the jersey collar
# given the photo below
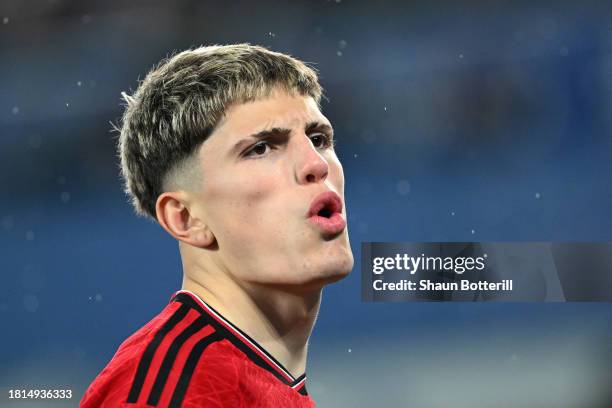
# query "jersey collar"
(243, 341)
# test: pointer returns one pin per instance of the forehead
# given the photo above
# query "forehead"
(279, 110)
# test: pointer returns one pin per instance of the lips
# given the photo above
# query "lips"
(325, 213)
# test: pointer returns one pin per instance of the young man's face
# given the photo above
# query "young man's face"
(258, 193)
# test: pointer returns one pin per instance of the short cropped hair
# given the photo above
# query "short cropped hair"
(180, 101)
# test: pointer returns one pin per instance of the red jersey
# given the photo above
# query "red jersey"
(191, 356)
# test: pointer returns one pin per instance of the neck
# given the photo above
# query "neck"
(279, 320)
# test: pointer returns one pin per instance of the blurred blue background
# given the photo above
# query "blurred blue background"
(456, 121)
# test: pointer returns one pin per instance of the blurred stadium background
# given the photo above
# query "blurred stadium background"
(457, 121)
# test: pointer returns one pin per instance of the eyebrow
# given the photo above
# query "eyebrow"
(278, 132)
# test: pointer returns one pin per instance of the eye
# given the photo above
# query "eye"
(259, 149)
(321, 140)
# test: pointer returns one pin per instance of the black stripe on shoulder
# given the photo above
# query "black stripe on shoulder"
(147, 356)
(189, 368)
(170, 358)
(188, 300)
(252, 355)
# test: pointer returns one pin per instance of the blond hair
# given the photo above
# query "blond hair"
(180, 101)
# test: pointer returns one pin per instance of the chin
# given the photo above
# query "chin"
(329, 267)
(314, 269)
(313, 273)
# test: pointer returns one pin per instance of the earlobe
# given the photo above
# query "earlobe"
(174, 215)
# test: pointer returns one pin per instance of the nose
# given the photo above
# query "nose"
(311, 166)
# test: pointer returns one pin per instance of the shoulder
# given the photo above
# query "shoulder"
(116, 377)
(184, 357)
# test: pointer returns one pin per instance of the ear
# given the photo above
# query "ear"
(175, 216)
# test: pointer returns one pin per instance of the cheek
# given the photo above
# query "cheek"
(236, 205)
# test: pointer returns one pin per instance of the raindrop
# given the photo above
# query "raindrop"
(5, 20)
(29, 235)
(342, 44)
(537, 195)
(65, 197)
(79, 83)
(15, 110)
(473, 231)
(339, 53)
(403, 187)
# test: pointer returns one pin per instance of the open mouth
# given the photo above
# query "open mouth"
(325, 205)
(325, 212)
